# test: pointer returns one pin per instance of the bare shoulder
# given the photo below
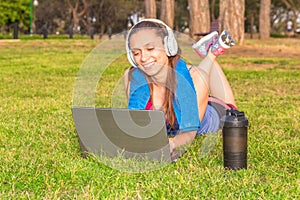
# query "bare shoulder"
(194, 71)
(126, 72)
(126, 77)
(127, 81)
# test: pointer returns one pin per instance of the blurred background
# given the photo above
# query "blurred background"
(103, 18)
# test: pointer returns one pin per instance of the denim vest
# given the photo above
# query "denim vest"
(185, 101)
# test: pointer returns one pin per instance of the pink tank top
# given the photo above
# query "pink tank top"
(149, 105)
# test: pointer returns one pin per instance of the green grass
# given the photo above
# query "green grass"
(40, 155)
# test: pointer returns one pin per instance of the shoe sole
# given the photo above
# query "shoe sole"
(224, 36)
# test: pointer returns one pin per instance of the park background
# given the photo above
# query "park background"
(40, 154)
(102, 17)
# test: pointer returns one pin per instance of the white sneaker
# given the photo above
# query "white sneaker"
(224, 42)
(202, 46)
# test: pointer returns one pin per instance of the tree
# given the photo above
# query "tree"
(78, 11)
(167, 12)
(15, 11)
(52, 13)
(150, 8)
(104, 12)
(264, 19)
(113, 15)
(294, 7)
(232, 18)
(199, 16)
(252, 16)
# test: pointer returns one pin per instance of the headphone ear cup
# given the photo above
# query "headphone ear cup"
(130, 59)
(166, 45)
(171, 45)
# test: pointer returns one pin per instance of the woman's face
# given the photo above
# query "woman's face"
(148, 51)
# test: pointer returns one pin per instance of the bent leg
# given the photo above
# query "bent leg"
(201, 79)
(208, 77)
(219, 85)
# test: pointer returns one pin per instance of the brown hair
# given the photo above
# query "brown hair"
(171, 82)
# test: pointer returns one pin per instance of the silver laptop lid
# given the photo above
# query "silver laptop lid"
(134, 133)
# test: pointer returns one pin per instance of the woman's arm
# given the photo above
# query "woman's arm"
(182, 139)
(200, 80)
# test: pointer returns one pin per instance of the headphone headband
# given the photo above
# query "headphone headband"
(170, 42)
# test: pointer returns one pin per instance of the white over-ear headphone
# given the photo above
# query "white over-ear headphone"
(170, 42)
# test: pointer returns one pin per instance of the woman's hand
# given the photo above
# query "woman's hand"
(172, 144)
(183, 138)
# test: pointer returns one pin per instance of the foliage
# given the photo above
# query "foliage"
(113, 14)
(282, 11)
(15, 11)
(40, 157)
(52, 13)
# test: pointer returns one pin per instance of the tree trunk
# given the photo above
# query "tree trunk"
(232, 18)
(75, 20)
(199, 16)
(212, 10)
(251, 24)
(150, 8)
(264, 19)
(77, 15)
(102, 29)
(295, 23)
(167, 12)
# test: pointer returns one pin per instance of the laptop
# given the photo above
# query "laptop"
(139, 134)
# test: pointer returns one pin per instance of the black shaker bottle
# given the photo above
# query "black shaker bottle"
(234, 133)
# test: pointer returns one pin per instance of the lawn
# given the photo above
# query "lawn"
(40, 154)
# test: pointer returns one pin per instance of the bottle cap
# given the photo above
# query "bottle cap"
(235, 118)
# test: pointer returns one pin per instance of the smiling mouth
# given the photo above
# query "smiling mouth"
(149, 65)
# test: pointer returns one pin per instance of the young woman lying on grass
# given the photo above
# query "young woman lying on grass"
(194, 98)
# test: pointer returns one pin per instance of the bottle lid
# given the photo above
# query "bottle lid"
(235, 118)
